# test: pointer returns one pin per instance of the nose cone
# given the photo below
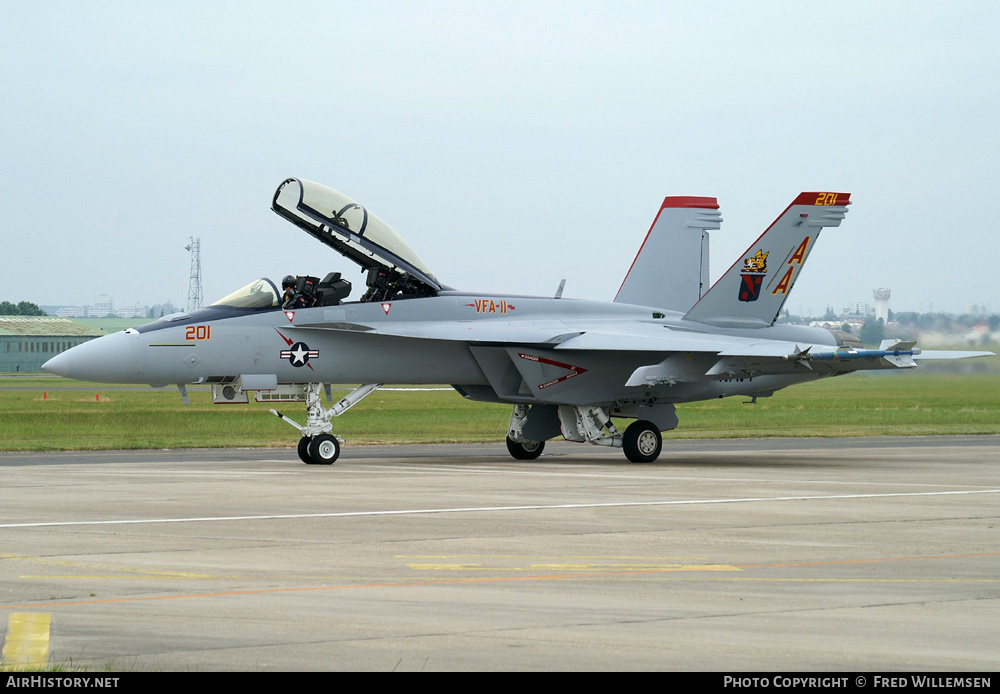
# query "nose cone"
(59, 364)
(117, 358)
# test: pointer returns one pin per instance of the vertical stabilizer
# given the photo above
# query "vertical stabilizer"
(754, 289)
(671, 268)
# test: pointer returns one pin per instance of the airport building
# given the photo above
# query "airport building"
(27, 342)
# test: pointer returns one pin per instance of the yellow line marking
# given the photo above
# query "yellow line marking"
(27, 640)
(873, 560)
(615, 568)
(452, 567)
(592, 557)
(638, 574)
(150, 577)
(140, 573)
(641, 575)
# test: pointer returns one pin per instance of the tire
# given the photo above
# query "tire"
(642, 442)
(525, 450)
(304, 450)
(324, 450)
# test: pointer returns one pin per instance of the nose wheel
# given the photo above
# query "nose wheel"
(304, 450)
(319, 450)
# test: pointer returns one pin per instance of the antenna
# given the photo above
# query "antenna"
(194, 283)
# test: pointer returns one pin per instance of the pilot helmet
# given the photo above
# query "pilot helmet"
(289, 281)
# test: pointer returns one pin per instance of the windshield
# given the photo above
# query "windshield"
(258, 294)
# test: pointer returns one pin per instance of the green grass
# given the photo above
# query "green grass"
(98, 416)
(885, 404)
(864, 404)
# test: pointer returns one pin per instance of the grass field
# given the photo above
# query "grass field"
(49, 413)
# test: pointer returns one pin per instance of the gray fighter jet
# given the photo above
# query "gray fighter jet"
(568, 367)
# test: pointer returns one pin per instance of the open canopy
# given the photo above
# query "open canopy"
(349, 228)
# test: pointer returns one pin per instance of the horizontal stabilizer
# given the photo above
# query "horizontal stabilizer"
(890, 345)
(942, 354)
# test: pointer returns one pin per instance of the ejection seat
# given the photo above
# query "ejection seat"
(332, 290)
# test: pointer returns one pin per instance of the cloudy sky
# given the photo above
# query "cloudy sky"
(512, 144)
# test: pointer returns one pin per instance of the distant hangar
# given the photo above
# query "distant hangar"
(27, 342)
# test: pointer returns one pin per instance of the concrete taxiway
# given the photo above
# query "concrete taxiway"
(787, 554)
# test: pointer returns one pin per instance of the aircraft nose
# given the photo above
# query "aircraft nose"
(59, 364)
(116, 358)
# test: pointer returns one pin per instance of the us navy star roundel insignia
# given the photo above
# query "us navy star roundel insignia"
(299, 354)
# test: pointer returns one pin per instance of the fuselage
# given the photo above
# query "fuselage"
(486, 345)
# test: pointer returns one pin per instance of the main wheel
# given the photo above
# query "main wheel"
(304, 450)
(525, 450)
(642, 442)
(324, 449)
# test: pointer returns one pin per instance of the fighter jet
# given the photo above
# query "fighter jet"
(568, 367)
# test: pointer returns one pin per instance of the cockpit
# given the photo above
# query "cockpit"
(311, 291)
(394, 270)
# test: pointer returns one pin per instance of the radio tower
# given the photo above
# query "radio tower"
(194, 284)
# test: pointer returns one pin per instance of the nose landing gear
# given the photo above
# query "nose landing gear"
(319, 445)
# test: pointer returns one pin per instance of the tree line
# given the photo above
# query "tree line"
(22, 308)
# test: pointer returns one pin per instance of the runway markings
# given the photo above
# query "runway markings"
(613, 568)
(496, 509)
(27, 644)
(136, 573)
(647, 573)
(512, 562)
(879, 560)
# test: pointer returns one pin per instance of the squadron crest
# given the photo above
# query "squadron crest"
(754, 269)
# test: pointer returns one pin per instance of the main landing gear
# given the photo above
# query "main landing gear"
(518, 446)
(319, 445)
(641, 442)
(525, 450)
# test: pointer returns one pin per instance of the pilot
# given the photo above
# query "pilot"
(288, 291)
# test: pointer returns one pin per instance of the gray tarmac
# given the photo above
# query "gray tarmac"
(740, 555)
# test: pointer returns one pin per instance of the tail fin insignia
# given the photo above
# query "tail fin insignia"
(754, 289)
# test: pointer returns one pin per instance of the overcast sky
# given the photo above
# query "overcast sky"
(512, 144)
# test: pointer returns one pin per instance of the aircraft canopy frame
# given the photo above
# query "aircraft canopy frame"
(342, 224)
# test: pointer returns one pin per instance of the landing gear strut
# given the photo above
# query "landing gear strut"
(319, 445)
(518, 446)
(641, 441)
